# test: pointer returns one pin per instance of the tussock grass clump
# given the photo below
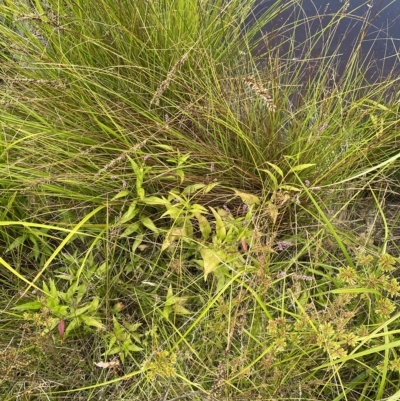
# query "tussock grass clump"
(185, 219)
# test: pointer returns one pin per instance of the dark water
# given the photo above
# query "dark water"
(379, 20)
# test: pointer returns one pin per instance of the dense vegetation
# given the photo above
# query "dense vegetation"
(184, 217)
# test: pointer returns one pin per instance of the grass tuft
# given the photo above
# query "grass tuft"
(192, 209)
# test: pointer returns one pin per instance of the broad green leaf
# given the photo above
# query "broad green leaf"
(60, 310)
(113, 340)
(34, 305)
(302, 167)
(79, 311)
(114, 350)
(211, 260)
(121, 194)
(137, 242)
(204, 226)
(72, 325)
(101, 270)
(94, 305)
(132, 327)
(221, 277)
(174, 234)
(210, 187)
(166, 312)
(173, 211)
(273, 179)
(155, 200)
(164, 147)
(139, 173)
(132, 228)
(17, 242)
(138, 170)
(53, 289)
(220, 283)
(219, 225)
(289, 188)
(91, 321)
(176, 196)
(180, 310)
(81, 292)
(117, 326)
(166, 243)
(70, 292)
(249, 199)
(192, 189)
(170, 293)
(141, 193)
(182, 158)
(147, 222)
(175, 303)
(134, 348)
(232, 235)
(167, 307)
(276, 168)
(181, 175)
(186, 232)
(136, 337)
(132, 211)
(172, 301)
(51, 303)
(196, 208)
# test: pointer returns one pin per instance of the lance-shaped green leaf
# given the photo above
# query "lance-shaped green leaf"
(211, 260)
(147, 222)
(91, 321)
(193, 188)
(204, 226)
(174, 303)
(139, 173)
(132, 228)
(302, 167)
(275, 184)
(34, 306)
(155, 200)
(219, 225)
(276, 168)
(249, 199)
(121, 194)
(132, 211)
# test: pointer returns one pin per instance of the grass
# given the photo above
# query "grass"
(186, 217)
